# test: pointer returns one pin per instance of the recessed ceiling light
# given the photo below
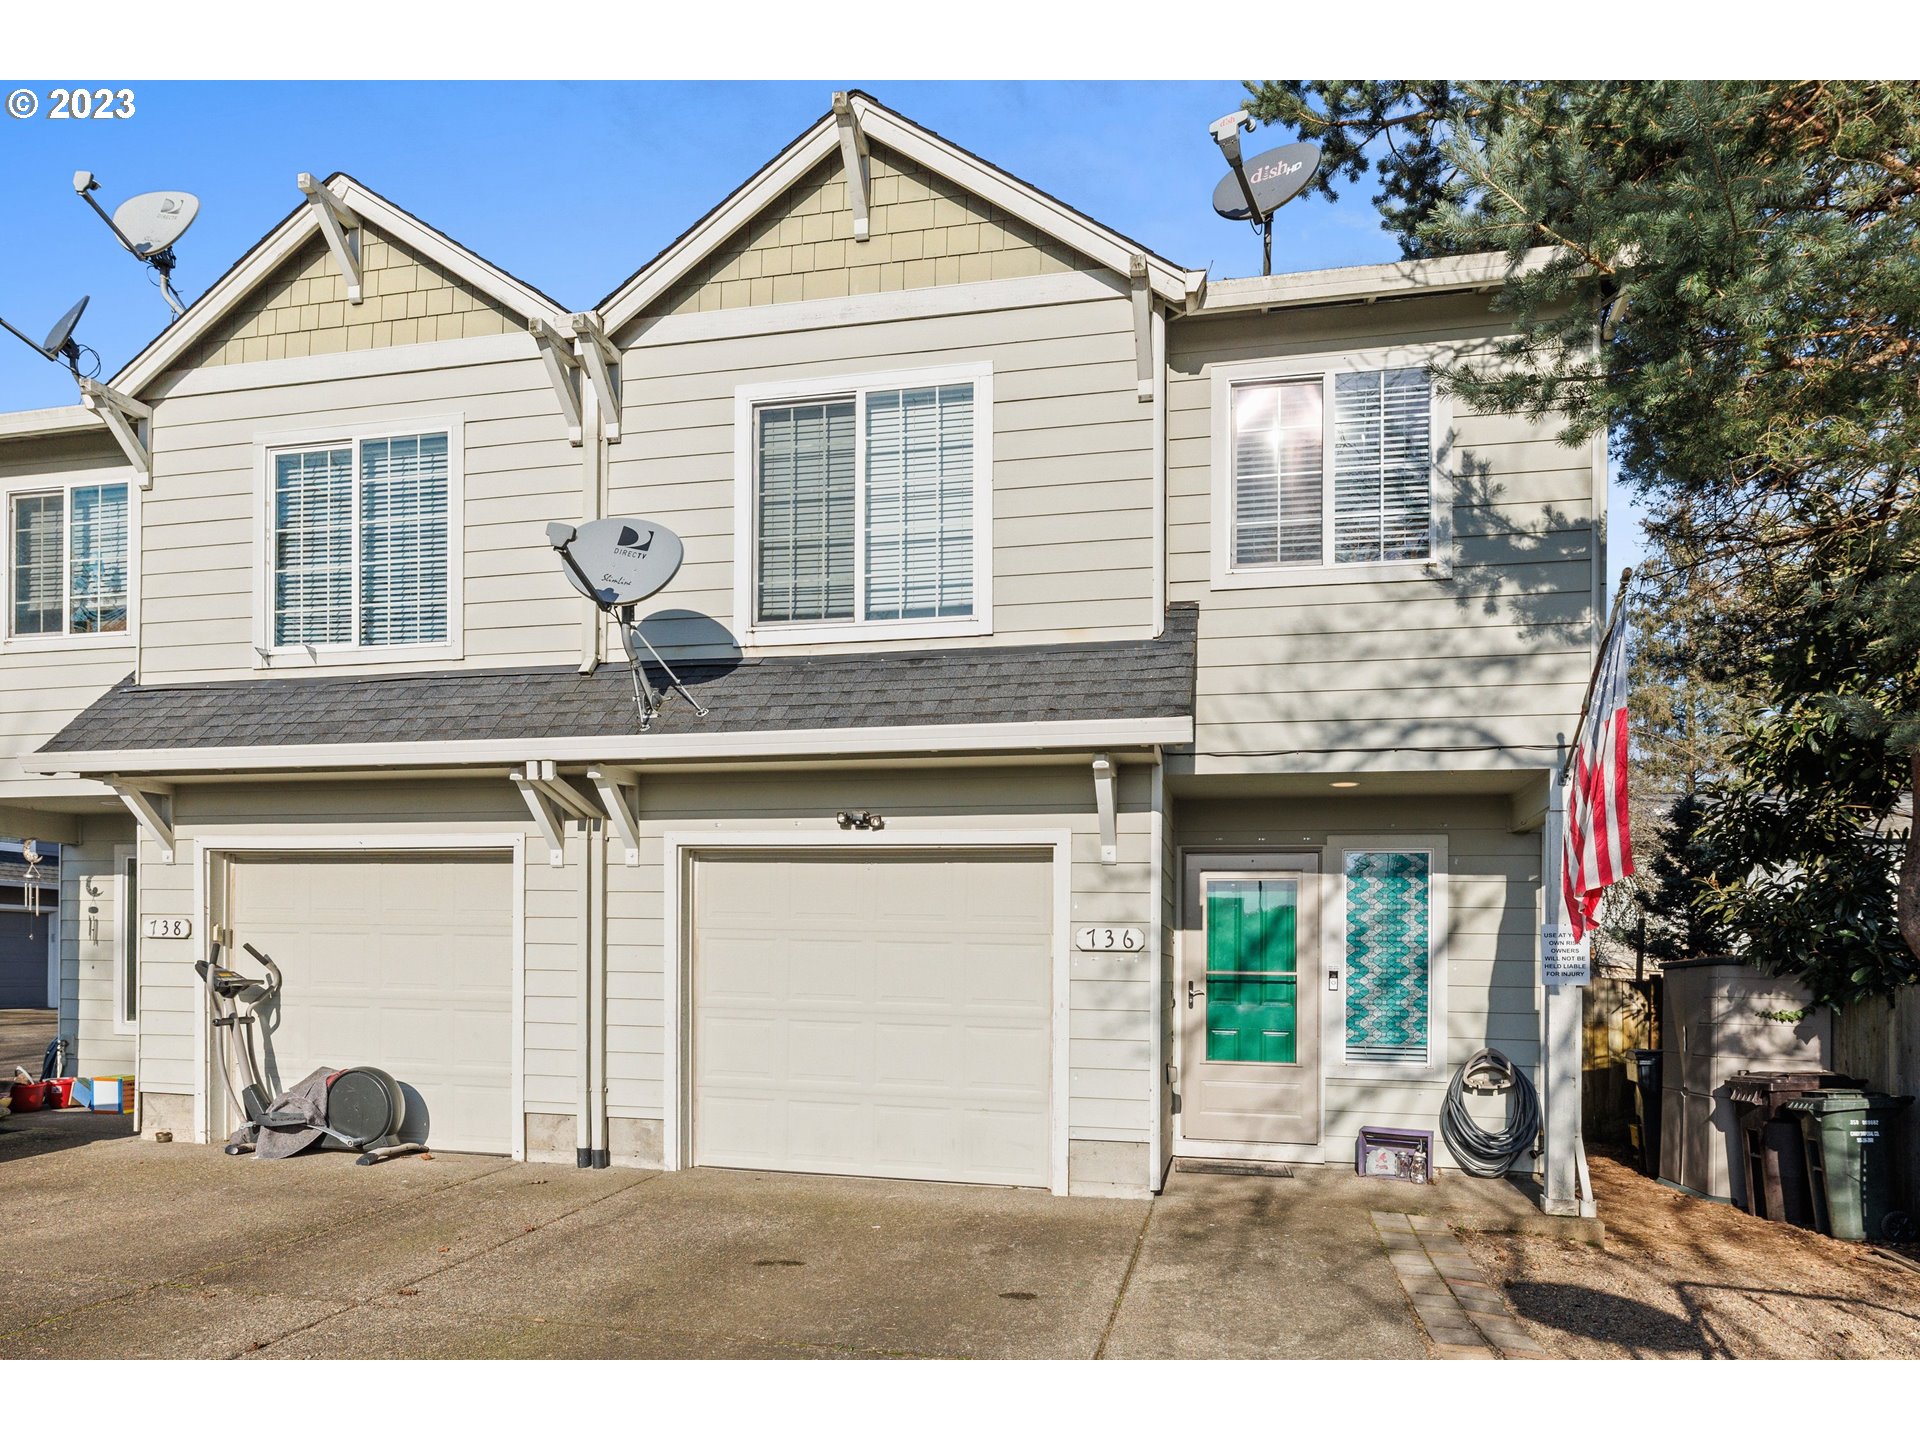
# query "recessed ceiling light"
(1343, 784)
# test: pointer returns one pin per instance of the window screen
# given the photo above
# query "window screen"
(1277, 468)
(403, 540)
(39, 563)
(1389, 956)
(1382, 466)
(97, 586)
(805, 511)
(313, 547)
(919, 503)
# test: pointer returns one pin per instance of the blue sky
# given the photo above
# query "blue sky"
(573, 185)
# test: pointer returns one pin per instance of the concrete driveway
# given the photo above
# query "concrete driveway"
(123, 1247)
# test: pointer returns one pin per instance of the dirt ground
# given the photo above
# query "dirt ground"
(1680, 1277)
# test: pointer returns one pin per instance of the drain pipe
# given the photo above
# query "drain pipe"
(583, 1127)
(597, 994)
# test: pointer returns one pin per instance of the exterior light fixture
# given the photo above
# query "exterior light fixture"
(1342, 784)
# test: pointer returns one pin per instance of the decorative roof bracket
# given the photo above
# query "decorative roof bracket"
(340, 226)
(853, 159)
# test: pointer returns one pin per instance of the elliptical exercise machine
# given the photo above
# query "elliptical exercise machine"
(365, 1107)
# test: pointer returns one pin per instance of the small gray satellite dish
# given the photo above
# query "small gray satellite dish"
(1275, 177)
(620, 561)
(59, 340)
(151, 223)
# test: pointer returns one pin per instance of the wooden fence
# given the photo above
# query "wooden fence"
(1617, 1018)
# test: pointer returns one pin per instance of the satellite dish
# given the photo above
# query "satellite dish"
(151, 223)
(60, 340)
(621, 561)
(1274, 177)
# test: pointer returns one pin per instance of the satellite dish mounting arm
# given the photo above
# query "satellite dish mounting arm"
(561, 538)
(1226, 134)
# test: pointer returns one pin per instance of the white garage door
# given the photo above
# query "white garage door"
(399, 961)
(874, 1017)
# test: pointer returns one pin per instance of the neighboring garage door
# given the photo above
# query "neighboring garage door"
(874, 1016)
(399, 961)
(23, 958)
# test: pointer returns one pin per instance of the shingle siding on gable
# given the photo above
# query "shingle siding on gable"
(302, 309)
(924, 231)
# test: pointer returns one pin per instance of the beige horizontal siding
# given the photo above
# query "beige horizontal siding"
(1492, 657)
(1073, 539)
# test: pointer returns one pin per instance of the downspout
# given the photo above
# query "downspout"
(583, 1125)
(1156, 972)
(1158, 325)
(597, 1010)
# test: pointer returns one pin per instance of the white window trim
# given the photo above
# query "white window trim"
(125, 922)
(748, 398)
(1227, 378)
(67, 482)
(1333, 939)
(268, 655)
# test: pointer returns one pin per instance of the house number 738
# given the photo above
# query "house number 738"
(162, 927)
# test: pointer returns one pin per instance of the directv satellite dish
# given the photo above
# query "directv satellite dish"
(1274, 177)
(60, 341)
(620, 562)
(151, 223)
(147, 225)
(617, 563)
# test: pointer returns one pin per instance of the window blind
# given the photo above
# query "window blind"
(1277, 473)
(805, 503)
(919, 502)
(403, 540)
(313, 547)
(1389, 956)
(97, 587)
(39, 563)
(1382, 466)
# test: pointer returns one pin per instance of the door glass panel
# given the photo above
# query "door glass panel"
(1252, 969)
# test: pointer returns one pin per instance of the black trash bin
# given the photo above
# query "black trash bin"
(1647, 1079)
(1852, 1140)
(1771, 1143)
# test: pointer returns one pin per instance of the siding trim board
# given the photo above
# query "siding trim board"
(682, 847)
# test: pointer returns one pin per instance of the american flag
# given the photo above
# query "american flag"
(1598, 845)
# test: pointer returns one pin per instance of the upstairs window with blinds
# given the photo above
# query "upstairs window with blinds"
(1334, 469)
(864, 507)
(67, 556)
(361, 539)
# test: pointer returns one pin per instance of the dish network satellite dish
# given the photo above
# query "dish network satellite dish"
(1253, 189)
(147, 225)
(616, 563)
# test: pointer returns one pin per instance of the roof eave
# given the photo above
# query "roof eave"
(1400, 279)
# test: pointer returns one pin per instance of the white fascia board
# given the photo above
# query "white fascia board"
(58, 420)
(1176, 286)
(287, 237)
(1367, 282)
(1012, 737)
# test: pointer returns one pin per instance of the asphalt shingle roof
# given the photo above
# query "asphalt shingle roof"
(1102, 680)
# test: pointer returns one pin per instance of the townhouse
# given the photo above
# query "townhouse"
(1130, 696)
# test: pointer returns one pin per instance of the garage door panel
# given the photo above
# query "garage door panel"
(402, 962)
(883, 1031)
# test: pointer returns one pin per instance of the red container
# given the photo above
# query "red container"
(28, 1095)
(59, 1093)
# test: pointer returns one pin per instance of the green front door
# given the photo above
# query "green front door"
(1253, 968)
(1249, 1003)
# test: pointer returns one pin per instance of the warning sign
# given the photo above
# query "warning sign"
(1563, 959)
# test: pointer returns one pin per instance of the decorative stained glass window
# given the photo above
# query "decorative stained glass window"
(1389, 956)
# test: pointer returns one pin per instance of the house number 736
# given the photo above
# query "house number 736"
(1109, 937)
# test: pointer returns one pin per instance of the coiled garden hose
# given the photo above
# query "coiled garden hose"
(1477, 1151)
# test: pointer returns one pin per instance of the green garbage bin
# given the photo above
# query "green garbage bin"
(1851, 1138)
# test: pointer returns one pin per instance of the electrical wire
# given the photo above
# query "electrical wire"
(1490, 1154)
